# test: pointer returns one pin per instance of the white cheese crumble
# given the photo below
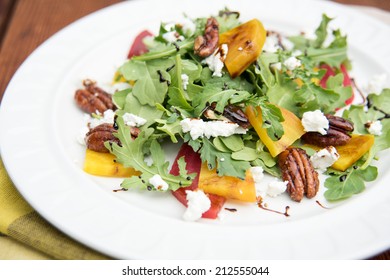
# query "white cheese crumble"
(287, 44)
(276, 188)
(374, 128)
(133, 120)
(271, 44)
(292, 62)
(169, 26)
(276, 66)
(215, 61)
(188, 26)
(107, 117)
(376, 84)
(184, 80)
(273, 188)
(315, 121)
(158, 183)
(258, 175)
(324, 158)
(199, 128)
(198, 203)
(172, 37)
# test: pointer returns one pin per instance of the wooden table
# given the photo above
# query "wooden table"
(25, 24)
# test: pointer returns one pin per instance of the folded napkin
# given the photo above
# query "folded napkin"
(19, 221)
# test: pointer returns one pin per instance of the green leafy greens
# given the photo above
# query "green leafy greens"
(171, 83)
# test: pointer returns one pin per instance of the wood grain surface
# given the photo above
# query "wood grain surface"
(25, 24)
(381, 4)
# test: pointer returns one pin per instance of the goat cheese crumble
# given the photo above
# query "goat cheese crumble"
(273, 188)
(198, 203)
(133, 120)
(276, 188)
(315, 121)
(215, 61)
(292, 62)
(374, 128)
(188, 26)
(258, 175)
(324, 158)
(271, 44)
(107, 117)
(158, 183)
(199, 128)
(172, 37)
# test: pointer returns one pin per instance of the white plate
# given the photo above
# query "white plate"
(44, 160)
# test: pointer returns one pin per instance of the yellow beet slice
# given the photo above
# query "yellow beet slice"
(293, 129)
(103, 164)
(227, 186)
(245, 43)
(353, 151)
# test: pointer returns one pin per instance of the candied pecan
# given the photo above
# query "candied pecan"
(231, 112)
(236, 115)
(207, 44)
(298, 170)
(93, 99)
(96, 137)
(337, 133)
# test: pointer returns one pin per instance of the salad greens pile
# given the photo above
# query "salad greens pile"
(160, 96)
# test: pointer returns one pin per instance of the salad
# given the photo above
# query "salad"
(239, 101)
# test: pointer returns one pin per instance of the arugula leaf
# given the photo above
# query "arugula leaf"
(272, 118)
(315, 51)
(233, 143)
(130, 104)
(131, 154)
(245, 154)
(322, 31)
(227, 20)
(151, 79)
(176, 93)
(360, 115)
(351, 182)
(119, 98)
(221, 161)
(163, 51)
(331, 56)
(335, 83)
(282, 93)
(212, 93)
(263, 68)
(311, 97)
(171, 128)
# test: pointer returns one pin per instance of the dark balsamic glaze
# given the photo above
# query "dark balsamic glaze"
(120, 190)
(285, 213)
(319, 203)
(231, 209)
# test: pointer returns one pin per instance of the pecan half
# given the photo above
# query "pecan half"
(231, 112)
(298, 170)
(93, 99)
(96, 137)
(338, 133)
(236, 115)
(207, 44)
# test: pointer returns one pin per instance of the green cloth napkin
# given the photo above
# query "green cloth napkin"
(19, 221)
